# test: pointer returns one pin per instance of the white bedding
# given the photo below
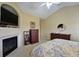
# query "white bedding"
(57, 48)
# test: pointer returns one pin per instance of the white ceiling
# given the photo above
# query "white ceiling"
(43, 12)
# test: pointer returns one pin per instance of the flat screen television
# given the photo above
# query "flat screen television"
(8, 18)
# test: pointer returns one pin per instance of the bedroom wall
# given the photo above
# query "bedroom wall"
(69, 16)
(24, 24)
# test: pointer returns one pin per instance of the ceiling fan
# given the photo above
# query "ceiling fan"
(49, 4)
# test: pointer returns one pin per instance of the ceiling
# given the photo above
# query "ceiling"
(41, 9)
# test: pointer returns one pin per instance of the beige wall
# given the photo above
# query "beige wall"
(24, 24)
(69, 16)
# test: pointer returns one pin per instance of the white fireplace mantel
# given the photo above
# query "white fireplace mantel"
(11, 32)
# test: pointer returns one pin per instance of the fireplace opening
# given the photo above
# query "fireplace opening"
(9, 45)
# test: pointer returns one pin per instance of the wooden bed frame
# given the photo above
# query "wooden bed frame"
(60, 36)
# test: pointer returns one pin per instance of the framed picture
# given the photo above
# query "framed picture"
(61, 27)
(32, 24)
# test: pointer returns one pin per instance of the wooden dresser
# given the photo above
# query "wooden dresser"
(34, 35)
(59, 36)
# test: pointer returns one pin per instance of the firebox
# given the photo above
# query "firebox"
(9, 45)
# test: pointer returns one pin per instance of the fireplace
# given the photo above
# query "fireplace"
(9, 45)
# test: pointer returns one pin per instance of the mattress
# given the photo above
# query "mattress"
(57, 48)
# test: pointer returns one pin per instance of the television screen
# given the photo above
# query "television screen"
(8, 17)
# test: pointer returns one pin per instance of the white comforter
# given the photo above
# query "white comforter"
(57, 48)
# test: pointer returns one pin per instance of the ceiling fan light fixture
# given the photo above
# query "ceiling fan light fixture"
(49, 4)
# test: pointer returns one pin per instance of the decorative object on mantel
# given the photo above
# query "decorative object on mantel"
(32, 25)
(61, 27)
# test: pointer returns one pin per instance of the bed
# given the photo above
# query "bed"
(59, 46)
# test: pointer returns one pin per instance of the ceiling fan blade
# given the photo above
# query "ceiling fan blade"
(42, 4)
